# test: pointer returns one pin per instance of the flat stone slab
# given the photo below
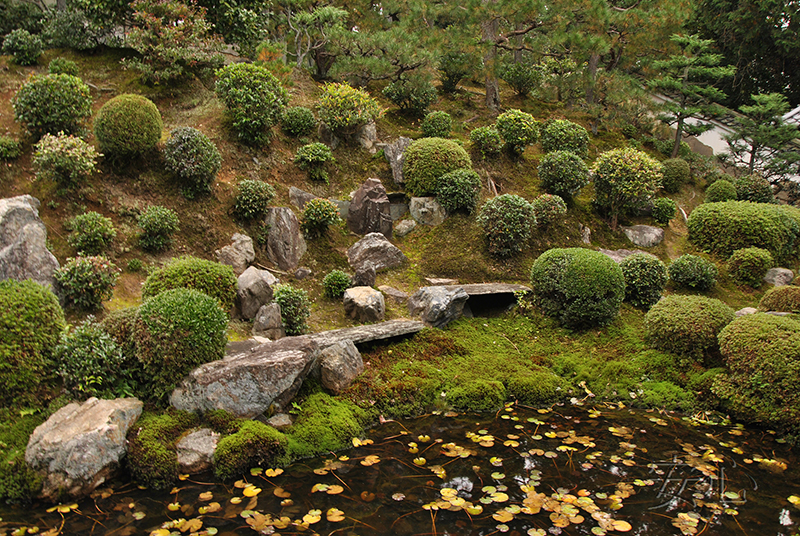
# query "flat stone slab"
(484, 289)
(373, 332)
(644, 236)
(617, 255)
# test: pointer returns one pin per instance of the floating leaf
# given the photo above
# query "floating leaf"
(192, 525)
(424, 438)
(210, 508)
(366, 496)
(160, 532)
(370, 460)
(621, 526)
(313, 516)
(794, 499)
(334, 490)
(236, 500)
(273, 472)
(334, 515)
(503, 516)
(398, 496)
(138, 516)
(255, 471)
(251, 491)
(420, 461)
(206, 496)
(174, 507)
(281, 493)
(498, 475)
(474, 509)
(361, 442)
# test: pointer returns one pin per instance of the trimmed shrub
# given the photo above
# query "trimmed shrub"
(748, 266)
(64, 159)
(676, 172)
(719, 191)
(537, 388)
(298, 121)
(479, 396)
(86, 282)
(578, 287)
(194, 158)
(252, 199)
(722, 228)
(507, 221)
(295, 308)
(9, 148)
(254, 100)
(486, 140)
(664, 209)
(254, 444)
(212, 278)
(152, 458)
(91, 233)
(158, 224)
(563, 173)
(753, 188)
(453, 66)
(128, 125)
(645, 278)
(335, 283)
(63, 66)
(548, 208)
(25, 48)
(312, 158)
(785, 299)
(693, 272)
(459, 190)
(437, 125)
(427, 159)
(686, 325)
(563, 135)
(31, 322)
(518, 130)
(318, 215)
(624, 179)
(523, 76)
(345, 109)
(52, 103)
(412, 94)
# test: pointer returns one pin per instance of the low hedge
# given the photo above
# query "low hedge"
(212, 278)
(686, 325)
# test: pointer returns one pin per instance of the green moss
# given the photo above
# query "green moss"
(538, 388)
(664, 395)
(254, 444)
(477, 396)
(18, 482)
(152, 458)
(325, 424)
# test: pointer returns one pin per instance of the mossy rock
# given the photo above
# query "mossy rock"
(325, 424)
(477, 396)
(152, 458)
(254, 444)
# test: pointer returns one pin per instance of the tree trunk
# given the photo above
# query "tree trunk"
(676, 147)
(489, 35)
(591, 69)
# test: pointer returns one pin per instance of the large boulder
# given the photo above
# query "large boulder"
(255, 290)
(196, 451)
(644, 236)
(23, 242)
(268, 322)
(364, 304)
(285, 243)
(395, 154)
(370, 210)
(299, 198)
(779, 277)
(375, 248)
(365, 275)
(427, 211)
(340, 364)
(239, 254)
(80, 446)
(437, 306)
(246, 384)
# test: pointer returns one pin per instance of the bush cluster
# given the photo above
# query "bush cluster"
(318, 215)
(437, 125)
(194, 158)
(252, 199)
(413, 94)
(25, 48)
(86, 282)
(61, 65)
(786, 299)
(128, 125)
(676, 172)
(295, 308)
(518, 130)
(345, 109)
(686, 325)
(157, 225)
(212, 278)
(9, 148)
(645, 278)
(427, 159)
(579, 287)
(563, 135)
(753, 188)
(52, 103)
(719, 191)
(335, 283)
(563, 173)
(748, 266)
(507, 221)
(255, 444)
(522, 76)
(298, 121)
(664, 209)
(486, 140)
(459, 190)
(693, 272)
(65, 159)
(91, 233)
(547, 208)
(71, 28)
(312, 158)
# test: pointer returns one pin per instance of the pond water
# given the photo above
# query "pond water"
(563, 470)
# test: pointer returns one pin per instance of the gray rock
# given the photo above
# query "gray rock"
(367, 333)
(364, 304)
(375, 248)
(437, 306)
(487, 289)
(778, 313)
(779, 277)
(395, 154)
(258, 339)
(427, 211)
(367, 137)
(81, 445)
(327, 136)
(398, 210)
(370, 210)
(23, 242)
(343, 206)
(340, 364)
(299, 198)
(617, 255)
(255, 290)
(398, 296)
(440, 281)
(280, 421)
(302, 273)
(239, 254)
(746, 311)
(365, 275)
(285, 243)
(405, 227)
(644, 236)
(268, 322)
(247, 384)
(196, 451)
(586, 233)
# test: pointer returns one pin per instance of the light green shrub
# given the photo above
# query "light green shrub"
(518, 130)
(563, 173)
(563, 135)
(437, 125)
(676, 172)
(686, 325)
(295, 308)
(719, 191)
(427, 159)
(507, 221)
(748, 266)
(91, 233)
(128, 125)
(211, 278)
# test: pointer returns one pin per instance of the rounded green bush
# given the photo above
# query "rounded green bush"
(212, 278)
(298, 121)
(437, 125)
(753, 188)
(427, 159)
(345, 109)
(91, 233)
(9, 148)
(548, 208)
(335, 283)
(645, 278)
(459, 190)
(486, 140)
(664, 209)
(295, 308)
(563, 173)
(52, 103)
(624, 179)
(64, 159)
(86, 282)
(748, 266)
(158, 224)
(686, 325)
(413, 94)
(312, 158)
(507, 221)
(693, 272)
(194, 158)
(25, 48)
(479, 396)
(31, 322)
(676, 172)
(63, 66)
(719, 191)
(518, 130)
(785, 299)
(255, 444)
(128, 125)
(252, 199)
(563, 135)
(579, 287)
(318, 215)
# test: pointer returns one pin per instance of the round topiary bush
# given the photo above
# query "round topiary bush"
(63, 66)
(579, 287)
(318, 215)
(91, 233)
(563, 173)
(64, 159)
(645, 278)
(518, 130)
(624, 179)
(437, 125)
(686, 325)
(412, 93)
(753, 188)
(664, 209)
(158, 224)
(52, 103)
(563, 135)
(785, 299)
(548, 208)
(128, 125)
(298, 121)
(252, 199)
(427, 159)
(295, 308)
(194, 158)
(335, 283)
(345, 109)
(676, 172)
(459, 190)
(748, 266)
(487, 141)
(507, 221)
(479, 396)
(86, 282)
(720, 190)
(212, 278)
(255, 444)
(312, 158)
(25, 48)
(691, 271)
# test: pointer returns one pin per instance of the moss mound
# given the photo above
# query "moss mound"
(686, 325)
(253, 444)
(428, 159)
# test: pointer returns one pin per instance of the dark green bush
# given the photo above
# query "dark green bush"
(580, 288)
(63, 66)
(412, 94)
(252, 199)
(664, 209)
(64, 159)
(427, 159)
(25, 48)
(686, 325)
(298, 121)
(158, 224)
(563, 173)
(676, 172)
(52, 103)
(753, 188)
(645, 278)
(345, 109)
(335, 283)
(518, 130)
(459, 190)
(563, 135)
(693, 272)
(486, 140)
(437, 125)
(312, 158)
(748, 266)
(719, 191)
(18, 482)
(453, 66)
(71, 28)
(295, 308)
(15, 14)
(152, 458)
(9, 148)
(86, 282)
(31, 322)
(523, 76)
(209, 277)
(318, 215)
(548, 208)
(128, 125)
(478, 396)
(254, 444)
(194, 158)
(507, 221)
(537, 388)
(786, 299)
(91, 233)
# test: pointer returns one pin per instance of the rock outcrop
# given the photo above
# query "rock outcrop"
(375, 248)
(239, 254)
(427, 211)
(364, 304)
(196, 451)
(437, 306)
(370, 210)
(285, 243)
(779, 277)
(340, 365)
(395, 154)
(268, 322)
(644, 236)
(23, 242)
(255, 291)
